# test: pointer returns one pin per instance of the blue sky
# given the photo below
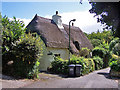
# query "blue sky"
(68, 10)
(28, 9)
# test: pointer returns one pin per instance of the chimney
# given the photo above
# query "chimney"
(56, 12)
(58, 21)
(72, 24)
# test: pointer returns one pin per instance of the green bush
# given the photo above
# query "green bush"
(88, 66)
(113, 43)
(116, 49)
(115, 63)
(84, 52)
(12, 31)
(114, 46)
(21, 49)
(98, 62)
(104, 45)
(103, 52)
(61, 66)
(27, 53)
(96, 42)
(98, 51)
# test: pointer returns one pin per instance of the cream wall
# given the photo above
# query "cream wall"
(47, 59)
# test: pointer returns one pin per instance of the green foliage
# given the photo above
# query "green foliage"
(1, 28)
(108, 14)
(112, 43)
(24, 50)
(95, 42)
(116, 49)
(100, 36)
(113, 58)
(104, 45)
(35, 70)
(88, 66)
(98, 51)
(61, 66)
(28, 52)
(76, 60)
(12, 31)
(115, 63)
(98, 62)
(114, 46)
(84, 52)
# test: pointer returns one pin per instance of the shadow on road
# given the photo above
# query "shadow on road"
(58, 75)
(4, 77)
(10, 77)
(107, 75)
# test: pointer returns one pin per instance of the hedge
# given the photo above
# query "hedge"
(98, 62)
(60, 66)
(115, 63)
(27, 54)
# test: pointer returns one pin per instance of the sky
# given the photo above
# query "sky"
(25, 11)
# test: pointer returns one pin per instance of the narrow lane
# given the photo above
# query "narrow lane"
(96, 79)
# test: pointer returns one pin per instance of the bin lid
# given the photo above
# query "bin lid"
(78, 65)
(71, 65)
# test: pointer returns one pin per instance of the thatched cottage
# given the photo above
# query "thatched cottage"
(55, 35)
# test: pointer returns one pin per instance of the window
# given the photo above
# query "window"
(76, 45)
(57, 55)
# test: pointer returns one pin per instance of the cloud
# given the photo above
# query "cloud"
(84, 20)
(26, 21)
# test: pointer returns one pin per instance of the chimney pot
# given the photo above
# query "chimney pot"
(56, 12)
(72, 24)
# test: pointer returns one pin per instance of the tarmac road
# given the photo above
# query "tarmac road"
(96, 79)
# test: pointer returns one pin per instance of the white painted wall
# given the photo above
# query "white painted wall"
(47, 59)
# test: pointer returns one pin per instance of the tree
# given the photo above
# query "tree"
(12, 30)
(23, 50)
(104, 35)
(0, 29)
(108, 13)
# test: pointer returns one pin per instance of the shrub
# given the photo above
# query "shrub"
(96, 42)
(88, 66)
(104, 45)
(61, 66)
(27, 53)
(114, 46)
(11, 32)
(98, 62)
(115, 64)
(116, 49)
(84, 52)
(98, 51)
(113, 43)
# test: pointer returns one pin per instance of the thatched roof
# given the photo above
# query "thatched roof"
(58, 38)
